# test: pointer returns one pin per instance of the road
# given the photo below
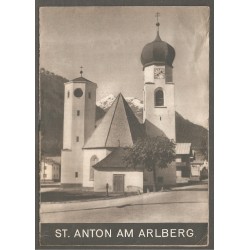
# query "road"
(179, 205)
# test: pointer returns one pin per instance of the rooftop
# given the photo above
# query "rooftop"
(52, 159)
(183, 148)
(118, 128)
(82, 80)
(114, 161)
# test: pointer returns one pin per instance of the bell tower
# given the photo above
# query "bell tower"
(78, 125)
(158, 94)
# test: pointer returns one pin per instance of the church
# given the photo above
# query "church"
(92, 154)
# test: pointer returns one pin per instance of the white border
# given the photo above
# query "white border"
(232, 122)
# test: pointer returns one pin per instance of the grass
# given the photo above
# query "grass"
(78, 194)
(67, 195)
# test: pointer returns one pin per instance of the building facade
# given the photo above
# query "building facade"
(92, 154)
(79, 124)
(50, 169)
(159, 102)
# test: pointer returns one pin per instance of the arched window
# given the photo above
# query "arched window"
(93, 161)
(159, 98)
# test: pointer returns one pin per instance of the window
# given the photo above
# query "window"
(93, 161)
(76, 174)
(44, 175)
(78, 112)
(159, 98)
(68, 94)
(45, 167)
(178, 160)
(77, 139)
(89, 94)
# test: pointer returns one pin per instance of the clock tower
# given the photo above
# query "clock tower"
(78, 125)
(158, 94)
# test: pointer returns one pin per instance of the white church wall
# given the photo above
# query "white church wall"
(67, 121)
(133, 181)
(170, 103)
(78, 121)
(89, 114)
(149, 74)
(87, 154)
(71, 167)
(158, 119)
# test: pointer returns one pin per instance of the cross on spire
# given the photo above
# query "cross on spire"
(157, 18)
(81, 71)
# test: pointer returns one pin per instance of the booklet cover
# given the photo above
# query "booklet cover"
(124, 124)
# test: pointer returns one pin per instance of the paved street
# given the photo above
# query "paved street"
(179, 205)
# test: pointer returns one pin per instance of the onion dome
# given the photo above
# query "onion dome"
(157, 52)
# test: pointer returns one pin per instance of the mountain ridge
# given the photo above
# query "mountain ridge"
(52, 101)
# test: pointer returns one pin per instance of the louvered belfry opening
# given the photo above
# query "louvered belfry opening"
(159, 98)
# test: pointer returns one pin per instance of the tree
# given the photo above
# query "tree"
(204, 147)
(151, 152)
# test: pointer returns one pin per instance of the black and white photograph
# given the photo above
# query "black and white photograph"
(125, 150)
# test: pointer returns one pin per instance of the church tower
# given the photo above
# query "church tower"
(78, 125)
(159, 102)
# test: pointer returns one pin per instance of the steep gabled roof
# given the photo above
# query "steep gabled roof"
(118, 128)
(114, 161)
(53, 159)
(81, 79)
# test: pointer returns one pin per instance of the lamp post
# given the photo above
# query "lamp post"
(107, 189)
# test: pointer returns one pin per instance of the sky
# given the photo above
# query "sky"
(107, 42)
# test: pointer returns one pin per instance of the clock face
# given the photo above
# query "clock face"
(159, 73)
(78, 92)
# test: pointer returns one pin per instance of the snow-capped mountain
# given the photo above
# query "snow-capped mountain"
(135, 104)
(106, 102)
(52, 91)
